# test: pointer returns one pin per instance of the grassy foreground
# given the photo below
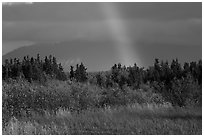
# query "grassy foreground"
(131, 119)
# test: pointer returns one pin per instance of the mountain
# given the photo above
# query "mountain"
(95, 55)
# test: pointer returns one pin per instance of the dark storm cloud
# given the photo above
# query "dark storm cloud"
(161, 11)
(64, 21)
(53, 12)
(52, 21)
(53, 31)
(180, 32)
(91, 11)
(155, 29)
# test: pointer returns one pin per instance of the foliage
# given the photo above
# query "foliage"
(22, 98)
(33, 69)
(80, 74)
(132, 120)
(172, 81)
(36, 86)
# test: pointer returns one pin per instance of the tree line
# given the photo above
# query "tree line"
(160, 72)
(174, 82)
(32, 68)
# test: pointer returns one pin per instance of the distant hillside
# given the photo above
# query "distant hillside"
(69, 53)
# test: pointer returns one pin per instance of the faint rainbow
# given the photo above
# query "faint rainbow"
(118, 29)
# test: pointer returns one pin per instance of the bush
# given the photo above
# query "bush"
(22, 98)
(180, 92)
(84, 96)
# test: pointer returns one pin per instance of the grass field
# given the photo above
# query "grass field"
(59, 108)
(125, 120)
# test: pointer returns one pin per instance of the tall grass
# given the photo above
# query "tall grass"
(133, 119)
(21, 97)
(66, 107)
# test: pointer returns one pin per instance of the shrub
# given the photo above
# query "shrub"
(21, 97)
(83, 96)
(180, 92)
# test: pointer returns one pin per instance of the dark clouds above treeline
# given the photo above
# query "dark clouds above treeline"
(147, 24)
(35, 21)
(91, 11)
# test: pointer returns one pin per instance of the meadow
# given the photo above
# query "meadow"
(66, 107)
(38, 97)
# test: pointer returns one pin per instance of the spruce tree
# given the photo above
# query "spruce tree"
(71, 76)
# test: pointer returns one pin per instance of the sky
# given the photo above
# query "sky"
(121, 32)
